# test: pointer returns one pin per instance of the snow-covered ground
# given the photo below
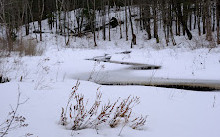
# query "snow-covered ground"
(171, 112)
(47, 81)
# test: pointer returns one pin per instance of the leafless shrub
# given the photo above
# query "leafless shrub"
(13, 67)
(138, 122)
(95, 74)
(14, 120)
(123, 110)
(79, 117)
(76, 116)
(63, 120)
(42, 80)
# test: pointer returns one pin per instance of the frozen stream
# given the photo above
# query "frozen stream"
(134, 74)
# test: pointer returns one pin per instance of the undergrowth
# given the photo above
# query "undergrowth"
(76, 115)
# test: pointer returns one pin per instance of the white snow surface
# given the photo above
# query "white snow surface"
(48, 79)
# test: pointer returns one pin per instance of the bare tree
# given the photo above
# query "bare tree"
(133, 41)
(146, 18)
(104, 18)
(126, 21)
(155, 21)
(120, 22)
(109, 25)
(217, 19)
(182, 19)
(198, 10)
(92, 19)
(170, 22)
(40, 16)
(208, 20)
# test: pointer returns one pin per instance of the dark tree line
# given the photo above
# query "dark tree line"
(174, 17)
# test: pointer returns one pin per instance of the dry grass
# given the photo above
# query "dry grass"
(29, 48)
(3, 46)
(123, 110)
(23, 47)
(76, 115)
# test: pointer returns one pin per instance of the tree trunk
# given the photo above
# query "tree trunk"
(140, 16)
(195, 14)
(40, 29)
(213, 17)
(120, 23)
(92, 21)
(109, 27)
(204, 11)
(208, 21)
(94, 24)
(40, 16)
(171, 23)
(155, 22)
(184, 18)
(133, 42)
(217, 19)
(147, 20)
(198, 17)
(126, 21)
(190, 21)
(182, 21)
(104, 20)
(26, 19)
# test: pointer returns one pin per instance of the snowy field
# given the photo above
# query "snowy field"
(47, 81)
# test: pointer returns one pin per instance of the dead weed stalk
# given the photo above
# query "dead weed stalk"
(76, 116)
(14, 120)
